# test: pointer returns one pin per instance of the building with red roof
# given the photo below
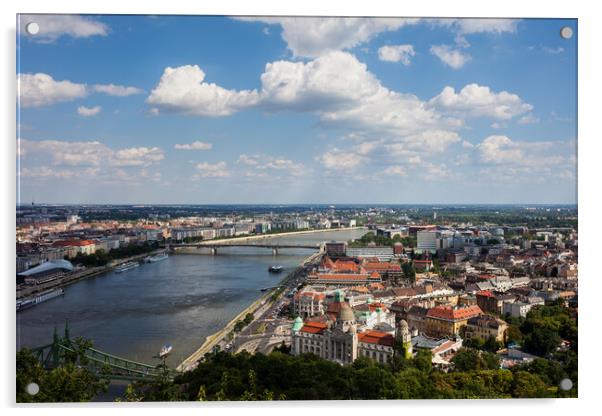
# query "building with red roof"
(442, 321)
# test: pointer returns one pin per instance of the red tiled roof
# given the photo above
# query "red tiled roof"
(376, 337)
(486, 293)
(314, 327)
(453, 314)
(73, 243)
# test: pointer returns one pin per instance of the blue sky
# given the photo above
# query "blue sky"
(186, 109)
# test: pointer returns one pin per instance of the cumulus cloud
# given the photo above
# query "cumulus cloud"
(88, 111)
(87, 153)
(479, 101)
(311, 37)
(116, 90)
(504, 159)
(277, 165)
(454, 58)
(40, 89)
(396, 53)
(197, 145)
(528, 119)
(53, 27)
(208, 170)
(35, 90)
(183, 89)
(340, 160)
(86, 160)
(395, 171)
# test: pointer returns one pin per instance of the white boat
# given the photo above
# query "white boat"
(166, 349)
(158, 257)
(126, 266)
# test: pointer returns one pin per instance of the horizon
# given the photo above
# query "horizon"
(255, 110)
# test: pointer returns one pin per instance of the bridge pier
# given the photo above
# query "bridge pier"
(274, 251)
(213, 251)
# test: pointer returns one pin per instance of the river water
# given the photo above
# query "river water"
(180, 300)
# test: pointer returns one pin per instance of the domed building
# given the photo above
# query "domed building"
(337, 339)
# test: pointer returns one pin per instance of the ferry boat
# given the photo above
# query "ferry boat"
(166, 349)
(42, 297)
(275, 269)
(126, 266)
(157, 258)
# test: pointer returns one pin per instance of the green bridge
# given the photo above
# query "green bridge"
(102, 364)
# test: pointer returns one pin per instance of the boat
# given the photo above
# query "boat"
(126, 266)
(275, 269)
(157, 258)
(166, 349)
(42, 297)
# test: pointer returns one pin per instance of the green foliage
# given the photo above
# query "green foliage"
(102, 258)
(409, 272)
(469, 359)
(546, 326)
(280, 376)
(67, 383)
(381, 240)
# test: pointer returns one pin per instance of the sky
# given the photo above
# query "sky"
(210, 109)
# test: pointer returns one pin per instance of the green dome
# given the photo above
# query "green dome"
(297, 324)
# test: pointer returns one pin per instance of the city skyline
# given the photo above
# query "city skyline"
(220, 110)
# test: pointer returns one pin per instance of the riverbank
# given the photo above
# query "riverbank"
(72, 278)
(266, 299)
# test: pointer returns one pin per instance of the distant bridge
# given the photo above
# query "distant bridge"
(102, 364)
(274, 247)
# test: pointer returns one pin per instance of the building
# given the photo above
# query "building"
(344, 279)
(442, 321)
(484, 327)
(382, 253)
(46, 272)
(336, 248)
(521, 309)
(73, 247)
(308, 303)
(339, 340)
(427, 240)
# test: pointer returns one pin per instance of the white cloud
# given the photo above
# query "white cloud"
(208, 170)
(40, 89)
(138, 156)
(117, 90)
(88, 111)
(553, 51)
(278, 165)
(53, 27)
(528, 119)
(196, 145)
(454, 58)
(340, 160)
(87, 153)
(479, 101)
(496, 26)
(183, 89)
(395, 171)
(315, 36)
(396, 53)
(507, 159)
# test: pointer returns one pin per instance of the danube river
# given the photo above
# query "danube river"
(179, 301)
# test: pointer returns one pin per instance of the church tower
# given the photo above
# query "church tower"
(404, 337)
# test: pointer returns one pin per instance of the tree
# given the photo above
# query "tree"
(409, 272)
(69, 382)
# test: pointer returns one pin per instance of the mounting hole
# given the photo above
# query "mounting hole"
(32, 28)
(566, 32)
(566, 384)
(32, 389)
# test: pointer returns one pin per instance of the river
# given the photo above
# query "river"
(179, 301)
